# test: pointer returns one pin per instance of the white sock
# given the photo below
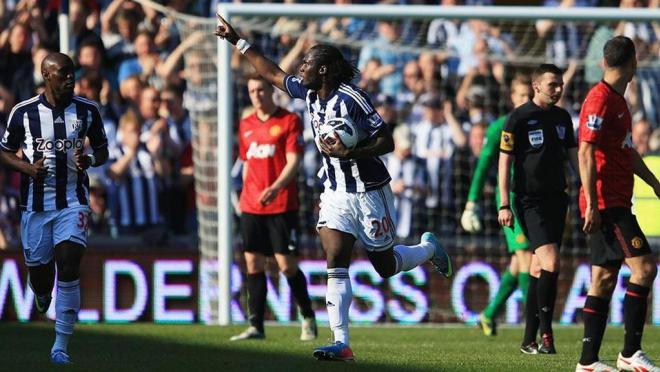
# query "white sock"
(413, 255)
(338, 299)
(67, 305)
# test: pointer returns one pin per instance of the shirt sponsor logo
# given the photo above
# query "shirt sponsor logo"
(561, 131)
(59, 145)
(506, 141)
(535, 138)
(594, 122)
(258, 151)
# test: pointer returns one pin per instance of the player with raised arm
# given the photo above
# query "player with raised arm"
(357, 200)
(517, 274)
(538, 138)
(50, 129)
(608, 162)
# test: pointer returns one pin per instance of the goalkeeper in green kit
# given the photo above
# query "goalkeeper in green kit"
(517, 274)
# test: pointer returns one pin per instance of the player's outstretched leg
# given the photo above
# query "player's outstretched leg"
(440, 259)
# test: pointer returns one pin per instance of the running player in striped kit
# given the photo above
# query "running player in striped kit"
(357, 199)
(50, 129)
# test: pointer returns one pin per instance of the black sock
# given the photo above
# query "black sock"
(531, 312)
(547, 294)
(634, 317)
(298, 285)
(594, 314)
(256, 286)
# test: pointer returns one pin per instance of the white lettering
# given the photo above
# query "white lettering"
(258, 151)
(162, 291)
(111, 270)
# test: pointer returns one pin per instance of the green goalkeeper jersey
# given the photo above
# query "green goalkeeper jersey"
(489, 152)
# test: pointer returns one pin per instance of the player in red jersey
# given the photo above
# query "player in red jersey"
(269, 143)
(607, 164)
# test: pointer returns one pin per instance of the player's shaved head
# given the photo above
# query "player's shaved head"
(55, 59)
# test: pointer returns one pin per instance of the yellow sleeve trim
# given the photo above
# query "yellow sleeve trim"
(506, 142)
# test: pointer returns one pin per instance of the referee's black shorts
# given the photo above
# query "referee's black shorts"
(542, 217)
(270, 233)
(620, 237)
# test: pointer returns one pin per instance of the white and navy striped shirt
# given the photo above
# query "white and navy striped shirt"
(54, 133)
(349, 175)
(137, 192)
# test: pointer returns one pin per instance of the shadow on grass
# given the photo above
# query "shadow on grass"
(25, 347)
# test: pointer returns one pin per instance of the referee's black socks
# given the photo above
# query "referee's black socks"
(547, 294)
(298, 285)
(256, 286)
(531, 312)
(594, 314)
(634, 317)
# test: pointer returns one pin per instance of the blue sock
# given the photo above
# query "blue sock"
(67, 305)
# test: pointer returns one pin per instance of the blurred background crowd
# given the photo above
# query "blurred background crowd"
(437, 83)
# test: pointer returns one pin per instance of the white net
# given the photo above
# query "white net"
(469, 63)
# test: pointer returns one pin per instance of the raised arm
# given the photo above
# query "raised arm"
(264, 66)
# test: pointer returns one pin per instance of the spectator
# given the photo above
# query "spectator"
(130, 91)
(408, 104)
(641, 133)
(436, 137)
(391, 62)
(146, 61)
(9, 213)
(16, 63)
(407, 174)
(134, 170)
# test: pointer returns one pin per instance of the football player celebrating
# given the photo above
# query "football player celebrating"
(357, 201)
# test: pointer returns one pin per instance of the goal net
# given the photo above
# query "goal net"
(466, 56)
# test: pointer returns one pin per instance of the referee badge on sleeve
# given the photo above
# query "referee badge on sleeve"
(506, 142)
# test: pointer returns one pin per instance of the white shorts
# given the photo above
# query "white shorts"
(368, 216)
(42, 231)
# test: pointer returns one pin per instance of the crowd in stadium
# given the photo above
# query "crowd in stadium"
(438, 98)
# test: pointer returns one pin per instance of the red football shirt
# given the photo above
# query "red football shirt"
(263, 146)
(606, 122)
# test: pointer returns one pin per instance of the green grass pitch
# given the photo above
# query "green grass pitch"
(192, 348)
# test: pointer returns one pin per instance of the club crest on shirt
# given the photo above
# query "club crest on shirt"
(275, 130)
(594, 122)
(535, 138)
(77, 124)
(561, 131)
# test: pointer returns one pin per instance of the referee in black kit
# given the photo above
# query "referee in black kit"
(537, 139)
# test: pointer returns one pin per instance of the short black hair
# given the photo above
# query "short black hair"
(618, 51)
(545, 68)
(339, 69)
